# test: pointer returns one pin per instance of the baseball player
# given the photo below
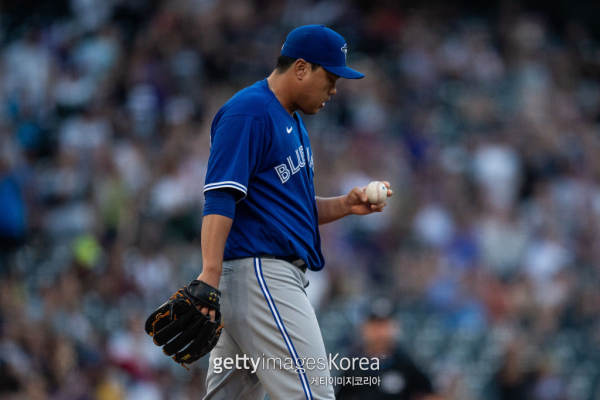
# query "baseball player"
(260, 227)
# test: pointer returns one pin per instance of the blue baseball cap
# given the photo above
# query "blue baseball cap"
(320, 45)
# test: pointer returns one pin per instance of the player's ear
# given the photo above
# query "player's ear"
(300, 67)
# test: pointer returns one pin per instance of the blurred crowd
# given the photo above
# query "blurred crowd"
(488, 130)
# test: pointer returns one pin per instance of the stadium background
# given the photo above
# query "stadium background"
(484, 118)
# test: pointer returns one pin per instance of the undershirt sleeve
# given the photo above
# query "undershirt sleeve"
(219, 202)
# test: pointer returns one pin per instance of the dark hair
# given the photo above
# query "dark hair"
(284, 62)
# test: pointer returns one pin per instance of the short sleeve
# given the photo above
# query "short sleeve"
(237, 145)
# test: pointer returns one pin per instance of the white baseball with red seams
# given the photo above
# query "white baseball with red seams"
(376, 192)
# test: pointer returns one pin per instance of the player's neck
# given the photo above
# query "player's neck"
(276, 83)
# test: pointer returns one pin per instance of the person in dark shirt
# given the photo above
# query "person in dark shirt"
(398, 377)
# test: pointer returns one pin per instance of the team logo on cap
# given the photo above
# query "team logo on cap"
(345, 50)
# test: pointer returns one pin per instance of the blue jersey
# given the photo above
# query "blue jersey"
(262, 154)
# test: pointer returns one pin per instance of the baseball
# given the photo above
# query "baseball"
(376, 192)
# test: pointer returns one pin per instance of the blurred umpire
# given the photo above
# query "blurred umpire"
(401, 378)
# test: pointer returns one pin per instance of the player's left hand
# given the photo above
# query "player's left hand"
(184, 332)
(359, 204)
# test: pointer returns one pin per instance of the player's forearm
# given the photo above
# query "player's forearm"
(332, 208)
(215, 229)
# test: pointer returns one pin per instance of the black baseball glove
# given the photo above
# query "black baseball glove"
(178, 325)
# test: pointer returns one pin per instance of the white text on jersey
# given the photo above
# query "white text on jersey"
(285, 173)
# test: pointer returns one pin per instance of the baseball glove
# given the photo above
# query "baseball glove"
(178, 325)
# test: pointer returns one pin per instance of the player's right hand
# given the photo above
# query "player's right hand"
(358, 203)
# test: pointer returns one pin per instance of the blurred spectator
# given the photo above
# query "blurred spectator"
(400, 378)
(520, 378)
(13, 223)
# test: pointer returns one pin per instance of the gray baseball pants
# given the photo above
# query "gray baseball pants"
(271, 336)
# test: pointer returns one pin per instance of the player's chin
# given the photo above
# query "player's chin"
(313, 110)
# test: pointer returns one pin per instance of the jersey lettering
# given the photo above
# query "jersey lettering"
(295, 168)
(283, 172)
(309, 157)
(300, 155)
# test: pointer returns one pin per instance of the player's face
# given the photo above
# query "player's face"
(380, 335)
(319, 86)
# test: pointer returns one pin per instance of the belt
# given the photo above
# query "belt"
(294, 260)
